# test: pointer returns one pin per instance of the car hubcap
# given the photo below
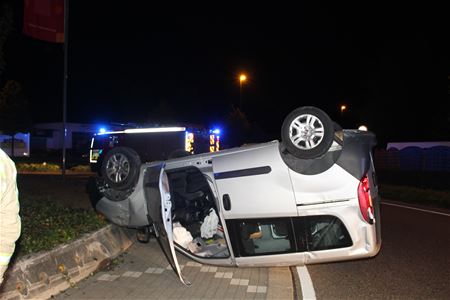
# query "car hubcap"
(118, 168)
(306, 132)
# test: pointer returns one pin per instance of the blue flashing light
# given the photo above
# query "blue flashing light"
(101, 130)
(216, 131)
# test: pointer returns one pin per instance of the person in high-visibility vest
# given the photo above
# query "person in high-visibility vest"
(10, 223)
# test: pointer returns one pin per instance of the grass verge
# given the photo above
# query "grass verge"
(415, 195)
(45, 224)
(53, 212)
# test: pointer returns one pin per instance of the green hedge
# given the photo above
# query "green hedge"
(48, 167)
(81, 168)
(40, 167)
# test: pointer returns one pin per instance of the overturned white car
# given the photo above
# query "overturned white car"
(311, 198)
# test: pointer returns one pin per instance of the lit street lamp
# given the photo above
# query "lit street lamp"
(343, 107)
(242, 79)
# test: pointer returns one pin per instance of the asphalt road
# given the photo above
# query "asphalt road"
(414, 261)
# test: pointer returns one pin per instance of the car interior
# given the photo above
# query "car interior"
(192, 202)
(259, 237)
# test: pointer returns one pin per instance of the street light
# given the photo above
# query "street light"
(343, 107)
(242, 79)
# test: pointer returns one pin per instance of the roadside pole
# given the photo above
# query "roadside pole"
(66, 46)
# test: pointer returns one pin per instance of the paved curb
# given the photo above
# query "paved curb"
(42, 275)
(280, 285)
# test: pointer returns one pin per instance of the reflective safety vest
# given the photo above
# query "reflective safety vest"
(9, 210)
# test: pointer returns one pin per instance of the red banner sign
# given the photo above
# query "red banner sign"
(44, 20)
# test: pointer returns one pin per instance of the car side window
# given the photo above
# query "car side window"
(321, 233)
(263, 236)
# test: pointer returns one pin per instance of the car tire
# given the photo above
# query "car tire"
(307, 132)
(120, 168)
(338, 134)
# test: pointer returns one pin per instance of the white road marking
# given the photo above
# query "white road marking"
(107, 277)
(306, 283)
(261, 289)
(132, 274)
(419, 209)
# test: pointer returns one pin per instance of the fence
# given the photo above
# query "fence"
(414, 166)
(434, 159)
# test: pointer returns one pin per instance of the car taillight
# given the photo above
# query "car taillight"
(365, 200)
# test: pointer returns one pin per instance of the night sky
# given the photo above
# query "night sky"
(135, 63)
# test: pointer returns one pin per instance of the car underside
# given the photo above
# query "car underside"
(262, 204)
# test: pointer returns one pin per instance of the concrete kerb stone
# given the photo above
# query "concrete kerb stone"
(41, 275)
(280, 285)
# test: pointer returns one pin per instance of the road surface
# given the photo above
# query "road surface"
(414, 261)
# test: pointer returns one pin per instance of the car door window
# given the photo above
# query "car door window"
(321, 233)
(262, 236)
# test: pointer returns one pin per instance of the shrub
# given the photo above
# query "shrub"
(41, 167)
(410, 194)
(81, 168)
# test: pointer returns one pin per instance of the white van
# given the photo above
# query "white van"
(311, 198)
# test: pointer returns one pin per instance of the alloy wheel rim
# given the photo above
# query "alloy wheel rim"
(306, 132)
(118, 168)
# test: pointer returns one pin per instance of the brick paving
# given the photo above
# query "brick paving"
(144, 273)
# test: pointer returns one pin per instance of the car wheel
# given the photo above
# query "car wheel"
(338, 134)
(120, 168)
(307, 132)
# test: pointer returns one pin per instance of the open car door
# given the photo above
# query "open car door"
(159, 205)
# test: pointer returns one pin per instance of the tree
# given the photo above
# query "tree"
(162, 114)
(238, 128)
(14, 111)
